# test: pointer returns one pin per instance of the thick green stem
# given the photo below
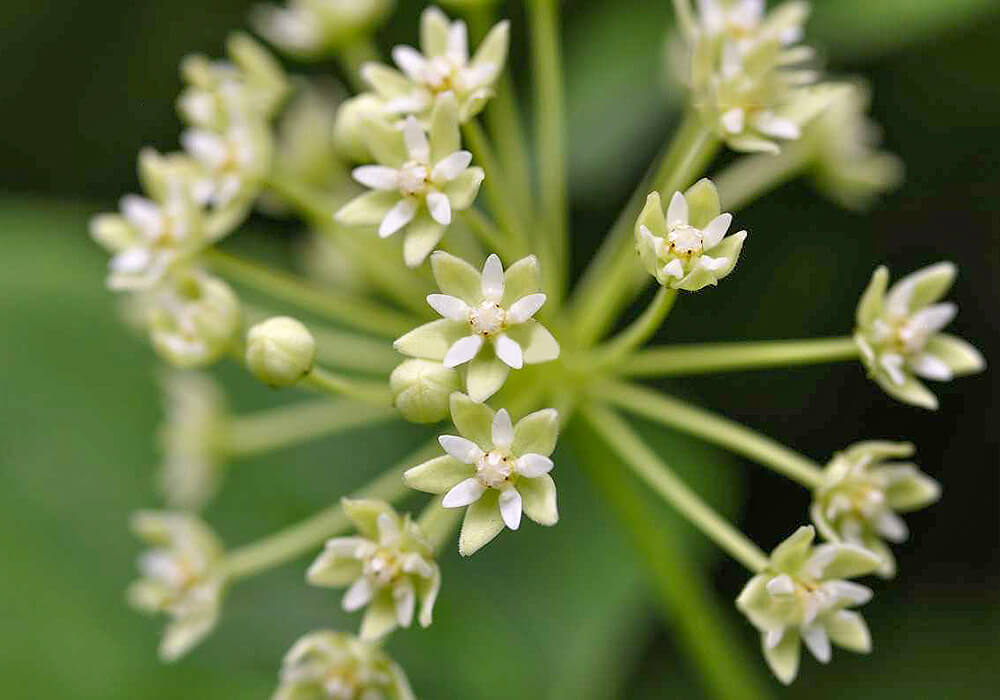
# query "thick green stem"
(337, 306)
(439, 523)
(675, 361)
(658, 476)
(487, 232)
(550, 138)
(638, 332)
(284, 426)
(682, 591)
(613, 278)
(372, 393)
(751, 177)
(721, 431)
(305, 536)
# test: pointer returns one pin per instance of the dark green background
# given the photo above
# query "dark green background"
(559, 613)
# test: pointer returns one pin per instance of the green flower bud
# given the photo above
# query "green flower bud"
(421, 388)
(280, 351)
(349, 127)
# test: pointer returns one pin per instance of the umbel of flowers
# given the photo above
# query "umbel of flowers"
(433, 305)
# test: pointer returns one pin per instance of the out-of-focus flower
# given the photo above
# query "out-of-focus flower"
(316, 28)
(388, 567)
(899, 334)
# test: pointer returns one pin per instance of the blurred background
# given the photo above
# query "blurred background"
(560, 613)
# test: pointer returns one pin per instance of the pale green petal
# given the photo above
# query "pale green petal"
(730, 248)
(825, 527)
(401, 684)
(784, 658)
(652, 216)
(887, 560)
(846, 560)
(959, 355)
(473, 419)
(911, 391)
(703, 203)
(789, 556)
(386, 81)
(385, 142)
(364, 514)
(182, 635)
(433, 32)
(484, 376)
(493, 49)
(536, 433)
(481, 524)
(753, 144)
(755, 602)
(444, 137)
(878, 450)
(333, 570)
(536, 342)
(368, 209)
(538, 499)
(521, 279)
(422, 234)
(474, 103)
(380, 617)
(873, 298)
(112, 232)
(437, 475)
(462, 191)
(697, 279)
(912, 492)
(431, 340)
(928, 285)
(456, 277)
(847, 629)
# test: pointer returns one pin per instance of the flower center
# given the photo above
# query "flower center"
(340, 685)
(494, 469)
(412, 178)
(685, 240)
(439, 74)
(488, 318)
(382, 567)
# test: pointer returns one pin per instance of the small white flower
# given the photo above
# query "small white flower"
(313, 28)
(234, 160)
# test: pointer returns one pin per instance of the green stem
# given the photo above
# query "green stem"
(675, 361)
(438, 523)
(658, 476)
(353, 56)
(486, 231)
(550, 139)
(337, 306)
(638, 332)
(751, 177)
(285, 426)
(681, 589)
(682, 416)
(373, 393)
(613, 277)
(292, 542)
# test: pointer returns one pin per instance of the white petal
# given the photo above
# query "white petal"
(893, 366)
(131, 261)
(929, 366)
(458, 42)
(510, 508)
(416, 140)
(463, 494)
(524, 308)
(357, 595)
(462, 350)
(410, 61)
(405, 598)
(677, 212)
(345, 546)
(142, 213)
(777, 127)
(465, 451)
(892, 527)
(533, 465)
(781, 585)
(712, 234)
(712, 264)
(933, 318)
(817, 641)
(439, 207)
(503, 429)
(397, 217)
(451, 308)
(734, 121)
(674, 268)
(773, 637)
(205, 146)
(377, 177)
(855, 593)
(388, 528)
(451, 166)
(493, 278)
(509, 351)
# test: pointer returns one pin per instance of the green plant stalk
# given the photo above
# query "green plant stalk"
(751, 177)
(486, 231)
(638, 332)
(682, 591)
(682, 416)
(296, 540)
(439, 523)
(336, 306)
(682, 360)
(659, 477)
(284, 426)
(369, 392)
(613, 277)
(550, 139)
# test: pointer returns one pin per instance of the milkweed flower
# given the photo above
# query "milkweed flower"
(488, 323)
(418, 183)
(688, 247)
(498, 469)
(234, 161)
(388, 567)
(329, 664)
(900, 339)
(442, 65)
(313, 28)
(803, 597)
(178, 578)
(861, 494)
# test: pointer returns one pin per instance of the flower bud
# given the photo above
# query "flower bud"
(348, 129)
(420, 390)
(280, 351)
